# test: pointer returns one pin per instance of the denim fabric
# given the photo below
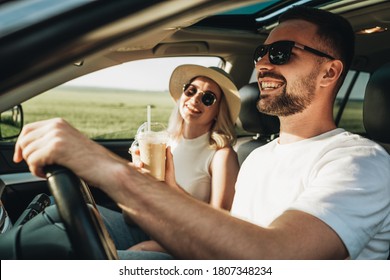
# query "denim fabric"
(125, 236)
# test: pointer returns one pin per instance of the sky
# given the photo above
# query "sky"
(148, 74)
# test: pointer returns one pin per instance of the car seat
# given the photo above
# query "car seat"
(376, 107)
(263, 128)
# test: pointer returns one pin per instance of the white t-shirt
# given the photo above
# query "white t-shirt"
(341, 178)
(192, 159)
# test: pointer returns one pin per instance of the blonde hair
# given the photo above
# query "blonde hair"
(222, 132)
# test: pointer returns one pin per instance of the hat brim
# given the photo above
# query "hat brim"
(184, 73)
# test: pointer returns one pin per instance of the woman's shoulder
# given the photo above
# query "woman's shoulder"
(225, 153)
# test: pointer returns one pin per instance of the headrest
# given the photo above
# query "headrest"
(251, 119)
(376, 108)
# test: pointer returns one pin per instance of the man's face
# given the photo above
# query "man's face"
(289, 88)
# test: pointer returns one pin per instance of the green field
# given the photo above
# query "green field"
(100, 114)
(352, 118)
(117, 114)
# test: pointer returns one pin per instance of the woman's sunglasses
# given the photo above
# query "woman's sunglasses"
(208, 97)
(279, 52)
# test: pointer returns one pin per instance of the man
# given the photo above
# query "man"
(316, 192)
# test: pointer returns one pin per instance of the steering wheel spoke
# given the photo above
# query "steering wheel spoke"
(82, 220)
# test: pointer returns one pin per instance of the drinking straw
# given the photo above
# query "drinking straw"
(149, 116)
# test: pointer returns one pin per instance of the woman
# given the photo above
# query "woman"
(202, 132)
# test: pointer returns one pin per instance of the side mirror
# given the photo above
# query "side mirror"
(11, 123)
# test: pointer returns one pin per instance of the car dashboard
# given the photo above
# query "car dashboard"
(31, 229)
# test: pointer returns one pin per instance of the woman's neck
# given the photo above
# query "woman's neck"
(194, 131)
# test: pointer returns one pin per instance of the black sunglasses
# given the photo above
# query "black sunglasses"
(208, 97)
(280, 52)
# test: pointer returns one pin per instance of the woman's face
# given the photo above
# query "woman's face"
(193, 110)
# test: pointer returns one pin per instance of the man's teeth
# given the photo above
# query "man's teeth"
(270, 85)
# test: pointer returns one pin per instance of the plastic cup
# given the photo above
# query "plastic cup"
(152, 146)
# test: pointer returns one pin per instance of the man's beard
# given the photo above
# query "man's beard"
(289, 103)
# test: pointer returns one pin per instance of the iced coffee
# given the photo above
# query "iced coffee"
(152, 143)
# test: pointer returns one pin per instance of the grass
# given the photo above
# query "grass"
(352, 118)
(117, 114)
(98, 113)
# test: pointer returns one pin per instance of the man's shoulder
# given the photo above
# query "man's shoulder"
(349, 139)
(355, 148)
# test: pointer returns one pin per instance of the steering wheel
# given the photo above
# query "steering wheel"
(83, 223)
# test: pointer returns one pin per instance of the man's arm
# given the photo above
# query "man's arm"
(187, 228)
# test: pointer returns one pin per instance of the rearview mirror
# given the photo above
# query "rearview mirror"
(11, 123)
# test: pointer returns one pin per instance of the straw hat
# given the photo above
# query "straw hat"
(184, 73)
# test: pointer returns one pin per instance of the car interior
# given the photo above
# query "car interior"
(64, 41)
(376, 115)
(263, 127)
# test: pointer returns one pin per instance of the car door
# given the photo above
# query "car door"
(108, 106)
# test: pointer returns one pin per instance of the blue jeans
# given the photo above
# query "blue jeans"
(125, 236)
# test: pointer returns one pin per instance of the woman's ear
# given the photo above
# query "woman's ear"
(332, 72)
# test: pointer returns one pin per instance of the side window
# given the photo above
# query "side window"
(111, 103)
(351, 116)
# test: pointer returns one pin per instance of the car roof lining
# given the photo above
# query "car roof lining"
(179, 35)
(21, 88)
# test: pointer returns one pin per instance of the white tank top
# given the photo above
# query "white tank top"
(192, 158)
